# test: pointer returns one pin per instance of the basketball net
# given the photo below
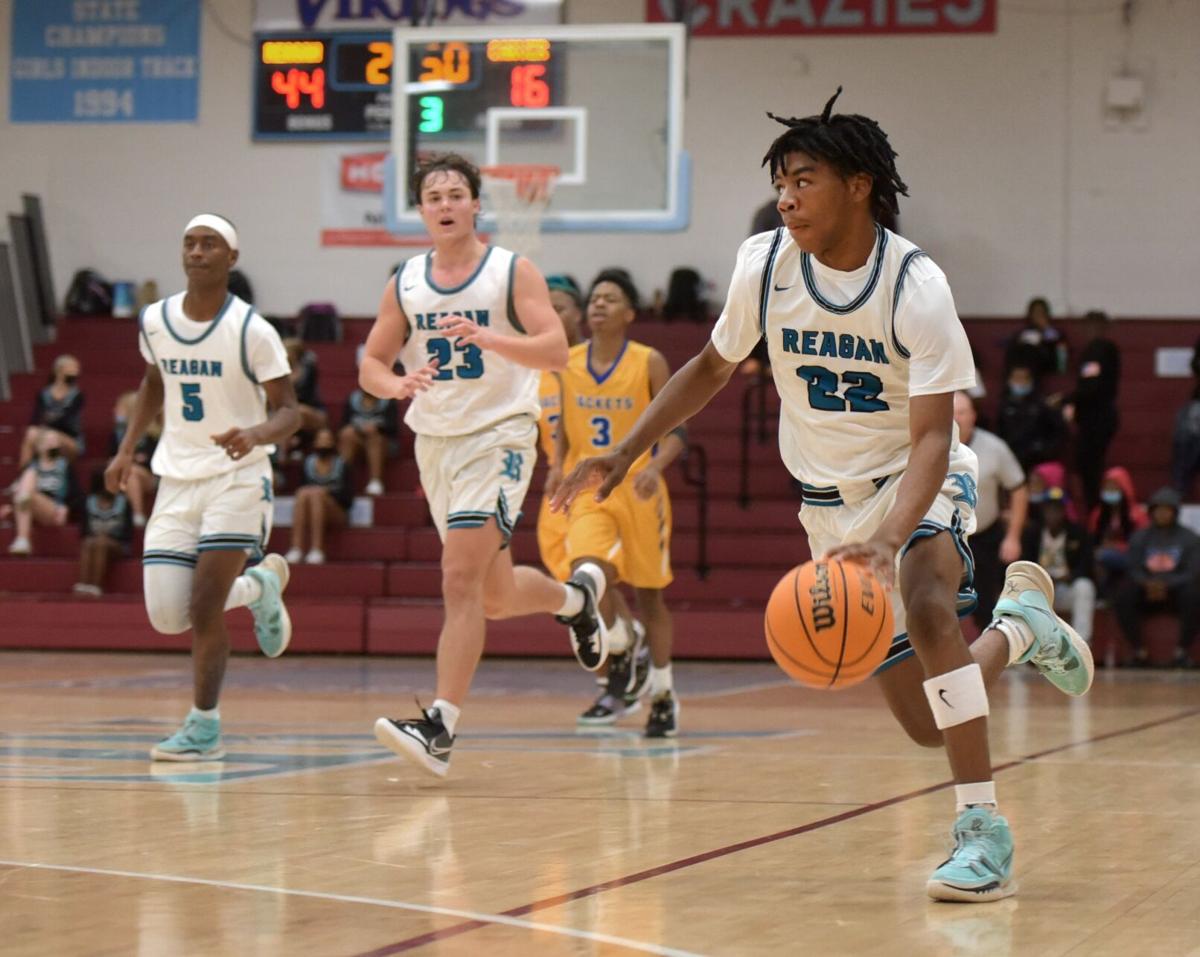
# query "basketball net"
(517, 195)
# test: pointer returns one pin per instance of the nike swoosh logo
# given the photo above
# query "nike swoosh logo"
(779, 288)
(408, 288)
(436, 751)
(942, 695)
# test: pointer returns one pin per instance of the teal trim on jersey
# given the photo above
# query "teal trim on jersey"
(512, 306)
(470, 279)
(810, 280)
(245, 358)
(907, 261)
(404, 315)
(207, 332)
(764, 289)
(601, 379)
(146, 338)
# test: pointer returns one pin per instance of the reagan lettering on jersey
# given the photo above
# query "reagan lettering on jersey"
(834, 345)
(429, 320)
(202, 367)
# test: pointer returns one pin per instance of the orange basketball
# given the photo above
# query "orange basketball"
(829, 623)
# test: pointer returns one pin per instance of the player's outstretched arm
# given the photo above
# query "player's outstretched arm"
(384, 342)
(645, 484)
(687, 392)
(544, 345)
(930, 427)
(148, 404)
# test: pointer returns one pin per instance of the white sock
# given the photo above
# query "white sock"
(213, 714)
(618, 637)
(979, 792)
(660, 680)
(450, 714)
(1018, 633)
(572, 602)
(243, 591)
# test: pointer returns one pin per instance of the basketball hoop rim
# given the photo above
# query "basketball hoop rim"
(529, 172)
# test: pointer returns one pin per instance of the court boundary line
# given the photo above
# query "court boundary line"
(412, 943)
(475, 918)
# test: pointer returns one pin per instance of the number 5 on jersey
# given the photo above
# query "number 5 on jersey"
(193, 405)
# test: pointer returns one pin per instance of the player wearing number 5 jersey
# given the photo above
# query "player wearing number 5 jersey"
(475, 325)
(867, 351)
(213, 367)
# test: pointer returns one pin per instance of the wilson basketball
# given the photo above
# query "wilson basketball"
(829, 623)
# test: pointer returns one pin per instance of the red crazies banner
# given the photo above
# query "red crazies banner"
(363, 172)
(739, 18)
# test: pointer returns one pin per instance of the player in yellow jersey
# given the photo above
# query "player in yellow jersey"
(609, 381)
(567, 301)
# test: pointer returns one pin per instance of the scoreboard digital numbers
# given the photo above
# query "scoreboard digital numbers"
(338, 86)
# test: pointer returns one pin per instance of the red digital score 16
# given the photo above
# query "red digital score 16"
(294, 84)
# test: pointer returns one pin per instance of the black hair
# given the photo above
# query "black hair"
(1097, 315)
(621, 278)
(445, 163)
(851, 144)
(1038, 301)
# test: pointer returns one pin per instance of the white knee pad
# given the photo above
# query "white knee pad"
(957, 696)
(168, 590)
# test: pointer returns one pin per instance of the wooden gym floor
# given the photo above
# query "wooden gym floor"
(780, 822)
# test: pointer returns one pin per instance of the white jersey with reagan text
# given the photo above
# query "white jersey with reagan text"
(473, 389)
(848, 350)
(211, 374)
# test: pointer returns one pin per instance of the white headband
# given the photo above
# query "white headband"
(218, 225)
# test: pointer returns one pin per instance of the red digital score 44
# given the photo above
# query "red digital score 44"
(294, 84)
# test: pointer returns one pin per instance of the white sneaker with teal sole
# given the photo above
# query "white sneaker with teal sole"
(272, 624)
(198, 740)
(980, 866)
(1057, 650)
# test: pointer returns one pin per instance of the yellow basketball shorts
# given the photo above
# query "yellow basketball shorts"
(632, 534)
(552, 541)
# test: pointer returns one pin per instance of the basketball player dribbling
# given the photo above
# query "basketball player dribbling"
(867, 351)
(213, 367)
(475, 324)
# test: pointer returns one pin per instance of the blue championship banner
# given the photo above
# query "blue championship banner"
(105, 61)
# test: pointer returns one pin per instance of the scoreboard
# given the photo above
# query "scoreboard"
(338, 86)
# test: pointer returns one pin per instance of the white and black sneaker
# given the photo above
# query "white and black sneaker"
(423, 741)
(589, 637)
(640, 679)
(663, 721)
(605, 710)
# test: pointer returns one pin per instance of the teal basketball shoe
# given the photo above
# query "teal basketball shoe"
(199, 739)
(980, 866)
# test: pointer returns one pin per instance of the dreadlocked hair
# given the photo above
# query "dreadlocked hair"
(848, 142)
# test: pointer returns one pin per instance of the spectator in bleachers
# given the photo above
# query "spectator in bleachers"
(322, 501)
(1044, 477)
(1093, 404)
(58, 406)
(370, 425)
(140, 486)
(1185, 439)
(997, 540)
(43, 492)
(1112, 524)
(1038, 345)
(304, 380)
(1164, 564)
(107, 532)
(1032, 428)
(1064, 549)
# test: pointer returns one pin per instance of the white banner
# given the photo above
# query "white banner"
(385, 14)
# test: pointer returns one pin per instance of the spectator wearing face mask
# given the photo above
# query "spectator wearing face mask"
(42, 492)
(322, 502)
(1064, 550)
(1039, 345)
(1046, 476)
(107, 532)
(371, 427)
(1033, 429)
(1164, 563)
(59, 406)
(141, 483)
(1112, 524)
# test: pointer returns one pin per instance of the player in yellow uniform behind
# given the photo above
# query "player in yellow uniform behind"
(607, 384)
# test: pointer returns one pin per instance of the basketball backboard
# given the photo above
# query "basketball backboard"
(602, 103)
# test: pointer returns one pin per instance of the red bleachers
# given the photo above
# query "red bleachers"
(379, 593)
